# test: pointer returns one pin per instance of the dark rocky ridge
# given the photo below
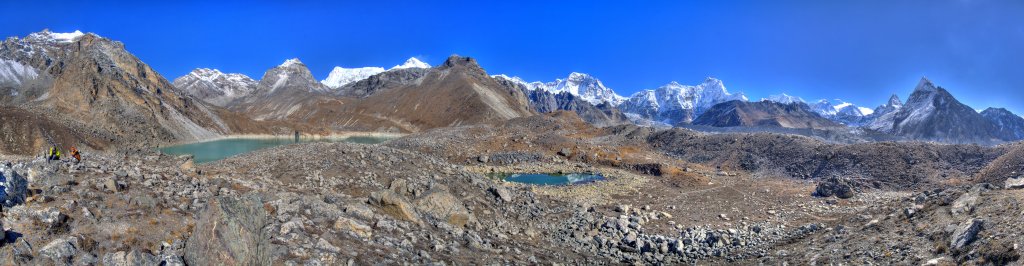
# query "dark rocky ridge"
(763, 114)
(1010, 125)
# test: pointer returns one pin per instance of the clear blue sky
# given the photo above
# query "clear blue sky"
(860, 51)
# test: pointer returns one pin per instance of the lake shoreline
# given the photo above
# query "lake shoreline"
(228, 146)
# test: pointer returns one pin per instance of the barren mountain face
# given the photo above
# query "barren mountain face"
(94, 86)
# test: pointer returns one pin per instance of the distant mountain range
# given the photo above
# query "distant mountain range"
(83, 88)
(675, 104)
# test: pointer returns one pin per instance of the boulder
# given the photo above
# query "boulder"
(232, 231)
(565, 152)
(838, 187)
(483, 158)
(60, 251)
(443, 206)
(1014, 183)
(133, 258)
(13, 187)
(966, 233)
(112, 185)
(188, 166)
(393, 205)
(359, 210)
(353, 226)
(966, 202)
(501, 192)
(53, 219)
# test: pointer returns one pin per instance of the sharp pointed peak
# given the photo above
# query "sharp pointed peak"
(925, 85)
(412, 62)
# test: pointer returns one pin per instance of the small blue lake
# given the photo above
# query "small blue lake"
(551, 179)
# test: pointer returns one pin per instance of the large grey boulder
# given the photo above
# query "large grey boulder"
(133, 258)
(60, 251)
(501, 192)
(1014, 183)
(839, 187)
(232, 231)
(966, 233)
(445, 207)
(392, 204)
(13, 186)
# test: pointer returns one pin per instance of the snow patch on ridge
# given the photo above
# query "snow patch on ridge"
(412, 62)
(291, 62)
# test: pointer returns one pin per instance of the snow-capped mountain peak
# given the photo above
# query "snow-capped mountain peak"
(585, 86)
(674, 103)
(48, 36)
(214, 86)
(894, 101)
(291, 62)
(784, 99)
(925, 85)
(412, 62)
(340, 76)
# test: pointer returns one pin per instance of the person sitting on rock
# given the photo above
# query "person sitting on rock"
(53, 155)
(75, 154)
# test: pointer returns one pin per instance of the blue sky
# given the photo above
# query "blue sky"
(859, 51)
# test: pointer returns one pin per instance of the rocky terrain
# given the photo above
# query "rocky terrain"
(671, 196)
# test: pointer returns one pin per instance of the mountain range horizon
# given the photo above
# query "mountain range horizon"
(430, 133)
(810, 58)
(415, 61)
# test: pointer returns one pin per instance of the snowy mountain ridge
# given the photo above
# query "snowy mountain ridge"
(675, 104)
(587, 87)
(341, 76)
(214, 86)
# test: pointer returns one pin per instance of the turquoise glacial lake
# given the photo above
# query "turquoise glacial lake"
(209, 151)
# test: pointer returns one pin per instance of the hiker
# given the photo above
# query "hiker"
(76, 154)
(53, 155)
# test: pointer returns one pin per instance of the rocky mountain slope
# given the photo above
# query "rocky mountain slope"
(88, 83)
(762, 114)
(1010, 125)
(676, 104)
(882, 117)
(544, 101)
(388, 79)
(280, 92)
(841, 112)
(215, 87)
(404, 100)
